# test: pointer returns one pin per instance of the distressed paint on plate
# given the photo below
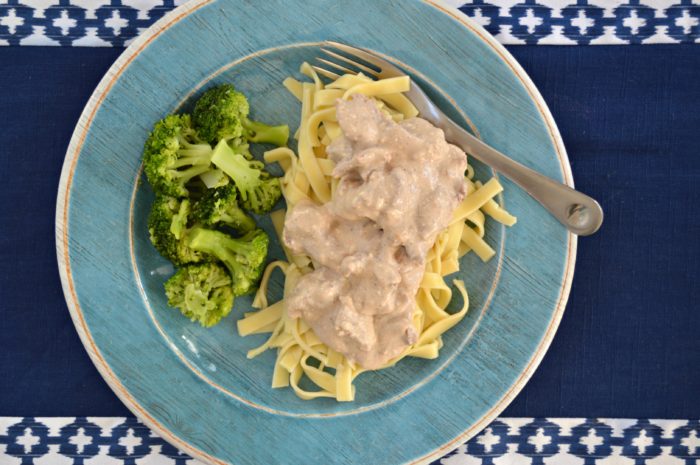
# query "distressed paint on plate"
(194, 386)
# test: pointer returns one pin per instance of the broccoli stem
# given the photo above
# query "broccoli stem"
(262, 133)
(218, 244)
(231, 252)
(190, 161)
(192, 154)
(238, 217)
(214, 178)
(190, 173)
(179, 222)
(236, 166)
(199, 152)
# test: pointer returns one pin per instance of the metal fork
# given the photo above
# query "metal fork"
(580, 213)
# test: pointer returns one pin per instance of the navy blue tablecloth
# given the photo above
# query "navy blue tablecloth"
(629, 343)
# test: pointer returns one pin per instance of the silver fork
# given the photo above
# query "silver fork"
(580, 213)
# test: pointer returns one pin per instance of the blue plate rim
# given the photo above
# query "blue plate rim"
(62, 233)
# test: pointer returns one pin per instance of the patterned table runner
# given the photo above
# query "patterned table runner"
(106, 23)
(513, 441)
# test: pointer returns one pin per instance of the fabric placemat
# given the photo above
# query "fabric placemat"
(105, 23)
(522, 441)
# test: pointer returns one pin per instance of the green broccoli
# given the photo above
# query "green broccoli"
(202, 292)
(244, 258)
(222, 113)
(258, 191)
(167, 225)
(220, 206)
(214, 178)
(174, 154)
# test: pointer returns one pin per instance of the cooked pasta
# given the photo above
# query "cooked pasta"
(308, 176)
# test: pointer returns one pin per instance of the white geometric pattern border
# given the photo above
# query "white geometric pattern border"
(507, 441)
(106, 23)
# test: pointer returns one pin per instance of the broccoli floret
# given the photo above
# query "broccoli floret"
(244, 258)
(218, 113)
(220, 207)
(258, 191)
(167, 225)
(202, 292)
(222, 113)
(174, 154)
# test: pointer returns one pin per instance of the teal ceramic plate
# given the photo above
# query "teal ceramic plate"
(194, 386)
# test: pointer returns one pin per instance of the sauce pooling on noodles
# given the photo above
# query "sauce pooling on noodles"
(398, 186)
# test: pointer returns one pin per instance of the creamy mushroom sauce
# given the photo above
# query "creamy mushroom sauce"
(398, 185)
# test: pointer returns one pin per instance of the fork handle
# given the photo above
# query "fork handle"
(580, 213)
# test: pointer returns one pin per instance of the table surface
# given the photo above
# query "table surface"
(628, 345)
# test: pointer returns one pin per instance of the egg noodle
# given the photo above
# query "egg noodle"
(307, 176)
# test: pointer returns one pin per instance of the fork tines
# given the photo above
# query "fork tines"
(346, 65)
